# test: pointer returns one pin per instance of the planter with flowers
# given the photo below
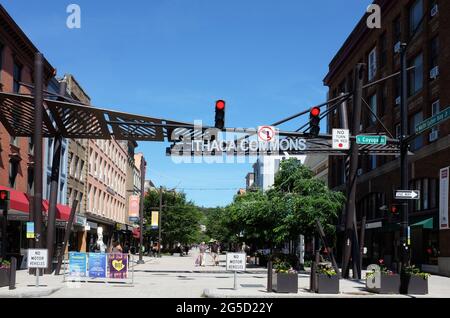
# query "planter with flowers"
(383, 281)
(4, 273)
(417, 281)
(327, 280)
(284, 278)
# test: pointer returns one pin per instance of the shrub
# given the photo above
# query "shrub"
(325, 269)
(413, 270)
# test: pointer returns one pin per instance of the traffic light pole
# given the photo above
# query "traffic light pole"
(351, 237)
(404, 250)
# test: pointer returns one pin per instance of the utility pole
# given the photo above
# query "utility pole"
(351, 236)
(159, 219)
(141, 212)
(37, 140)
(404, 145)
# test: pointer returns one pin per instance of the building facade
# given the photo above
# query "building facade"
(425, 26)
(77, 175)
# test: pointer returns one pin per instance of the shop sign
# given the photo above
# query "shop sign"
(373, 225)
(77, 264)
(97, 265)
(443, 198)
(37, 258)
(118, 265)
(80, 220)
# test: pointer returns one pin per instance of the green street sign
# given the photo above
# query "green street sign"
(433, 121)
(371, 140)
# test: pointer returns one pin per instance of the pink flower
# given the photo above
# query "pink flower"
(381, 261)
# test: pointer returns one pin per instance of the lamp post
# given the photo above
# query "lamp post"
(141, 213)
(159, 221)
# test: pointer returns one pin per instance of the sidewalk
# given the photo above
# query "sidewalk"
(25, 286)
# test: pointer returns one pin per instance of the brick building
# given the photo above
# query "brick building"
(428, 93)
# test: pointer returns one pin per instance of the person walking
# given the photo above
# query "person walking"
(116, 247)
(215, 250)
(203, 247)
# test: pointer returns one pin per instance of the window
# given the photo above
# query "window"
(30, 176)
(415, 17)
(397, 131)
(413, 122)
(13, 170)
(435, 108)
(49, 182)
(373, 162)
(433, 8)
(372, 62)
(434, 56)
(75, 167)
(30, 146)
(428, 188)
(383, 51)
(397, 91)
(81, 170)
(17, 77)
(14, 141)
(373, 107)
(1, 62)
(383, 99)
(416, 75)
(397, 30)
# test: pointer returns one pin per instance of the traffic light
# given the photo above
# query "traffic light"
(4, 198)
(394, 209)
(220, 114)
(314, 120)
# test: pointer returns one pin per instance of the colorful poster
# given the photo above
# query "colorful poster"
(118, 265)
(133, 210)
(30, 229)
(97, 265)
(77, 264)
(155, 219)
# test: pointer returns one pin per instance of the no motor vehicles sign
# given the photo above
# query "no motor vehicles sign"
(37, 258)
(236, 261)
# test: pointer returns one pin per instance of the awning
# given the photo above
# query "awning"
(20, 202)
(427, 224)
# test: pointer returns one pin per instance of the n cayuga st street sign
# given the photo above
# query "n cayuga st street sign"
(371, 140)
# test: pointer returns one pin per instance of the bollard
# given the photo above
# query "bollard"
(269, 276)
(12, 273)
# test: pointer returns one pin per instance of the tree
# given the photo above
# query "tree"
(180, 219)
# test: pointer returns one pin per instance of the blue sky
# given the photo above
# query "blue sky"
(173, 58)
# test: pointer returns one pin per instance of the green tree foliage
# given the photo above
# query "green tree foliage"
(288, 209)
(180, 219)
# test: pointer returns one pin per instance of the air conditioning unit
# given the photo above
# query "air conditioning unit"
(360, 171)
(434, 10)
(434, 135)
(398, 100)
(397, 47)
(434, 72)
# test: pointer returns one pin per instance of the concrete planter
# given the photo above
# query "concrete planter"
(417, 285)
(285, 283)
(4, 277)
(388, 284)
(327, 284)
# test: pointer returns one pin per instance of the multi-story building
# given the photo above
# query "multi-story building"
(428, 93)
(77, 175)
(318, 163)
(17, 54)
(106, 195)
(131, 190)
(249, 180)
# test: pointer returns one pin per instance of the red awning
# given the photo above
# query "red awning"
(19, 201)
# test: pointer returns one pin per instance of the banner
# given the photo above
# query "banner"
(118, 265)
(77, 264)
(443, 198)
(97, 265)
(155, 219)
(30, 229)
(133, 208)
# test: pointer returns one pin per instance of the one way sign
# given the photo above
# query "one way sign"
(407, 195)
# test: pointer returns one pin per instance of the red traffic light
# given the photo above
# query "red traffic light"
(315, 111)
(394, 209)
(220, 104)
(4, 195)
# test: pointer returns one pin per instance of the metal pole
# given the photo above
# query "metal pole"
(361, 241)
(66, 236)
(404, 178)
(269, 275)
(141, 213)
(4, 218)
(38, 272)
(235, 280)
(53, 200)
(37, 140)
(159, 221)
(350, 231)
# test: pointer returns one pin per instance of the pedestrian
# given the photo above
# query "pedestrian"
(116, 247)
(215, 253)
(202, 249)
